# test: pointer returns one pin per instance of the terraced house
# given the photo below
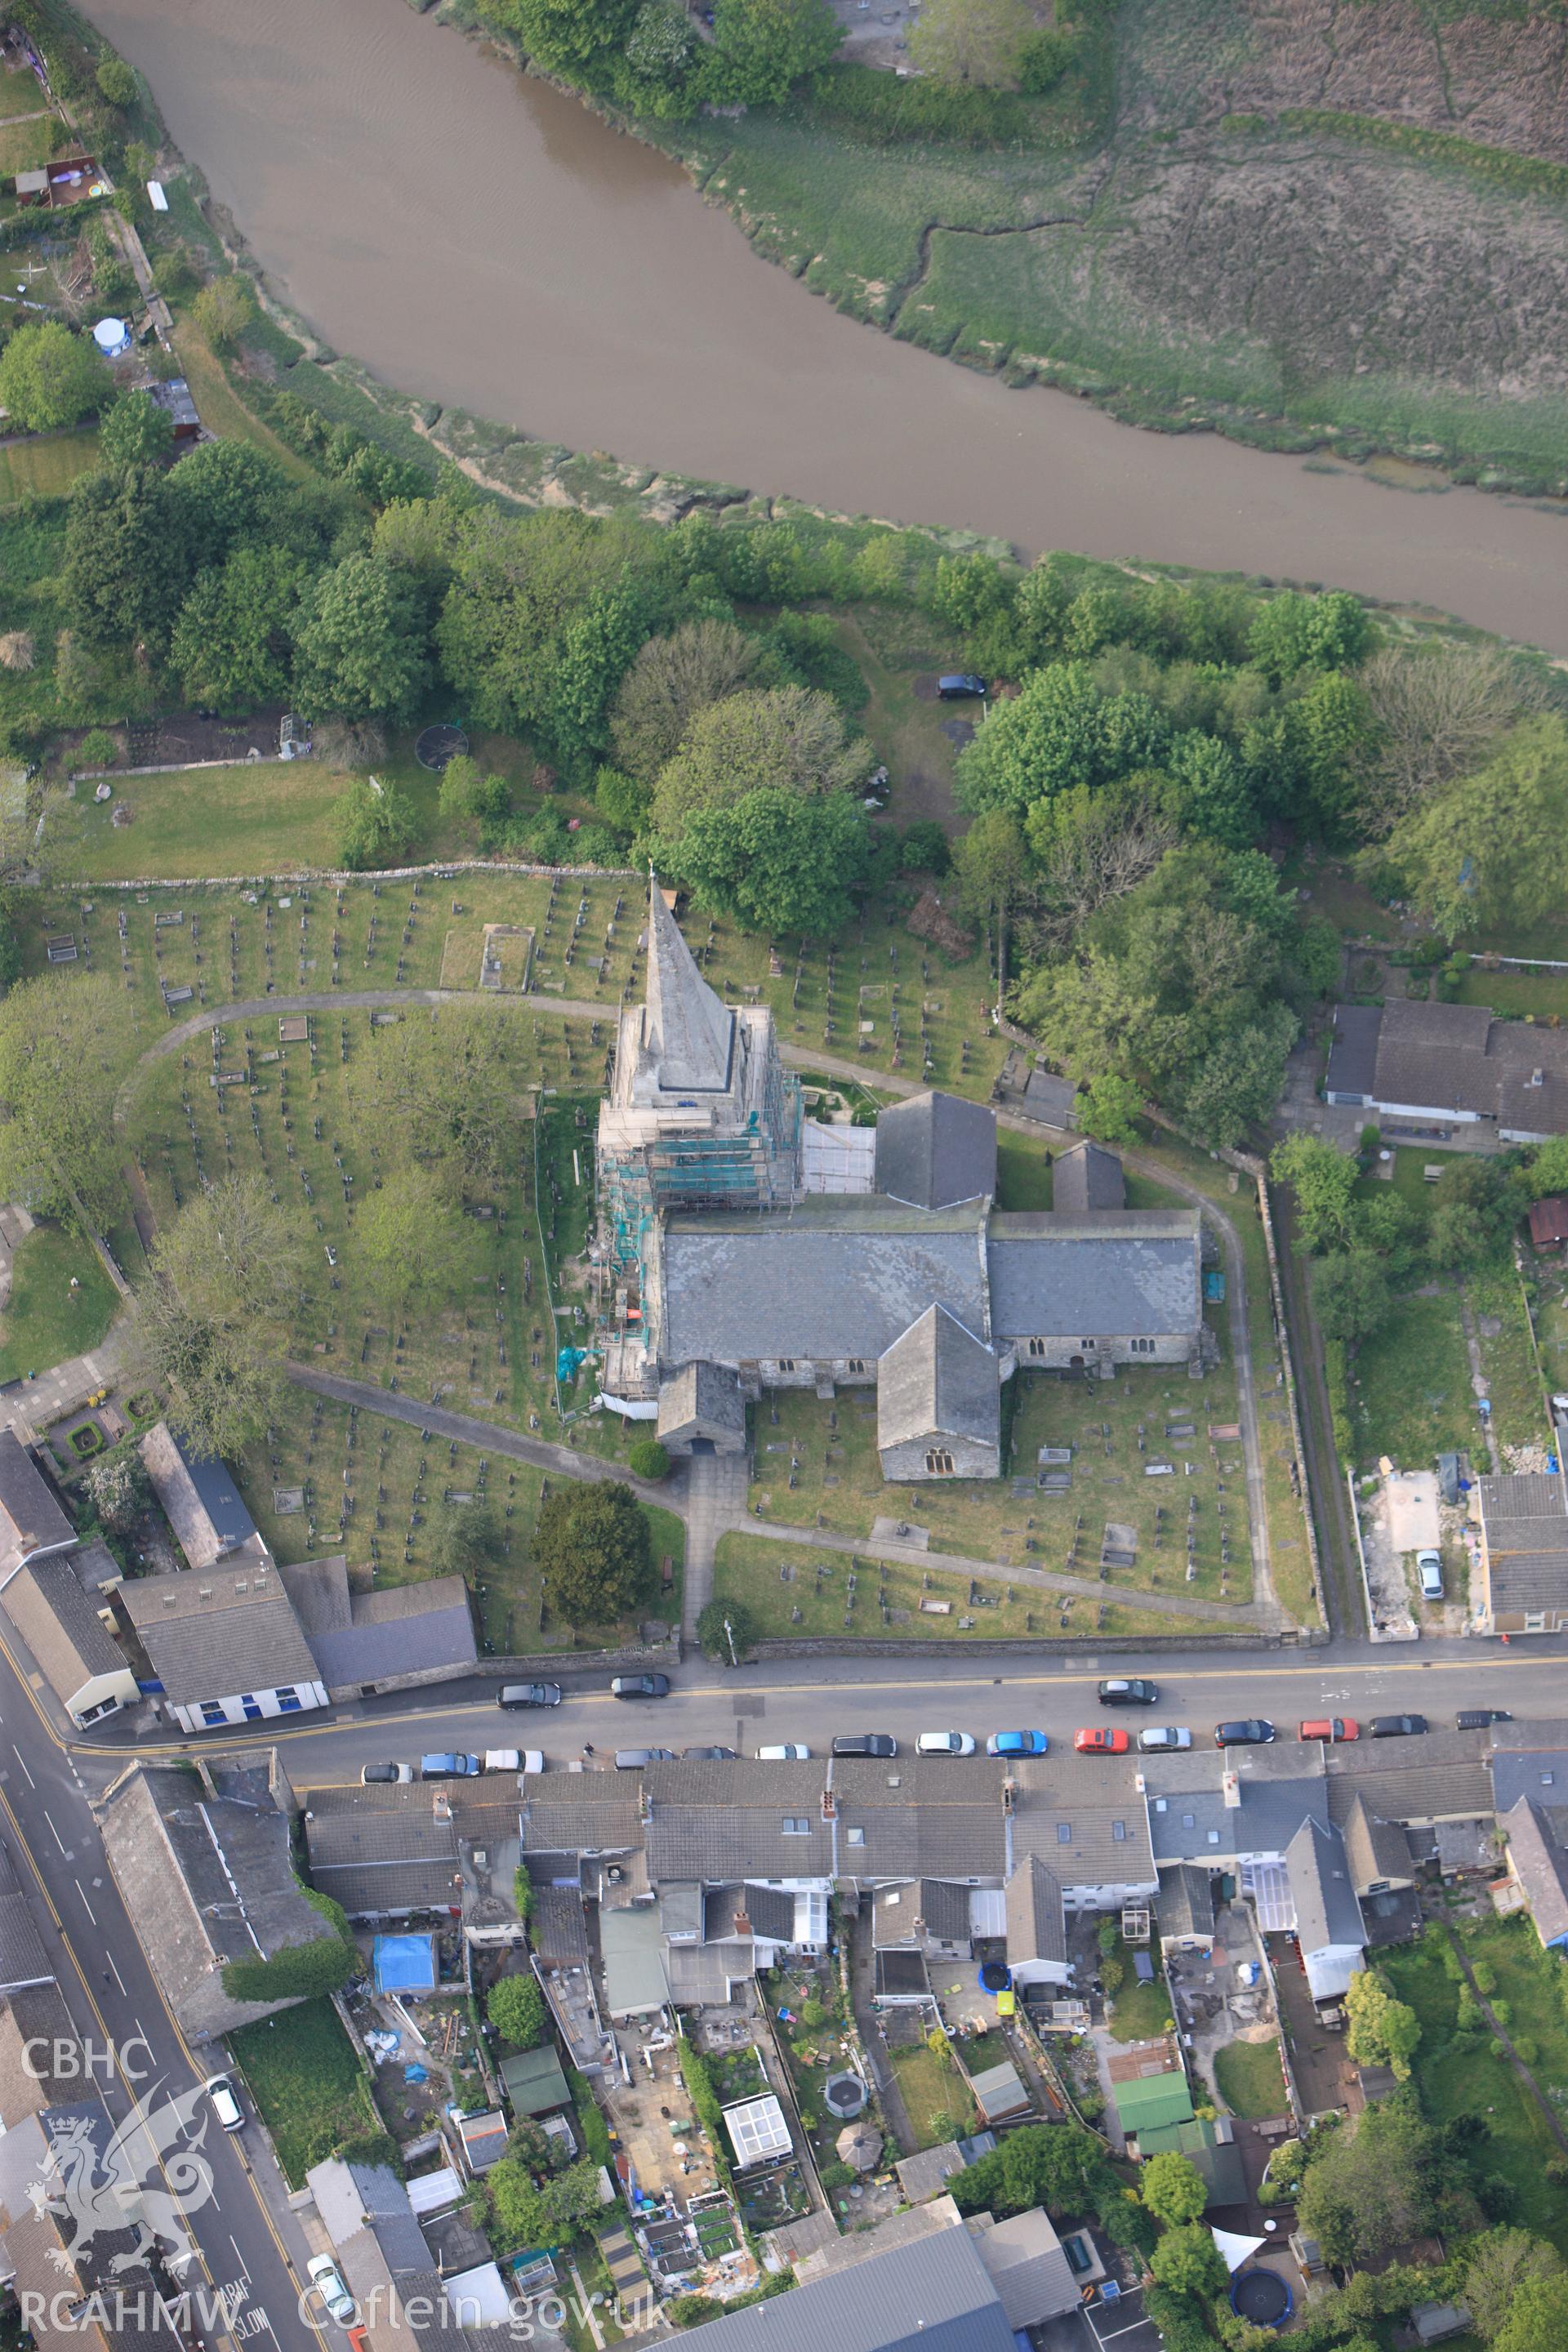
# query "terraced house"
(747, 1248)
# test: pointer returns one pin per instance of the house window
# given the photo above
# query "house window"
(213, 1712)
(251, 1706)
(1064, 1834)
(288, 1700)
(1214, 1837)
(796, 1825)
(939, 1462)
(1535, 1622)
(1118, 1829)
(856, 1837)
(1189, 1821)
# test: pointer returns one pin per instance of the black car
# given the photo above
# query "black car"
(708, 1755)
(1481, 1719)
(641, 1686)
(1120, 1692)
(866, 1743)
(529, 1695)
(959, 684)
(1397, 1727)
(1255, 1732)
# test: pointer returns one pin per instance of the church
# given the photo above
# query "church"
(745, 1247)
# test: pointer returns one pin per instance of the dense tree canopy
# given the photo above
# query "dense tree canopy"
(774, 861)
(1486, 848)
(50, 377)
(593, 1552)
(213, 1315)
(1384, 2031)
(61, 1054)
(786, 740)
(1498, 2267)
(359, 643)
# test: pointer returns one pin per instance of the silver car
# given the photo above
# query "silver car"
(1164, 1740)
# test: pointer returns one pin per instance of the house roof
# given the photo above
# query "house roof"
(1023, 2256)
(945, 1910)
(1327, 1913)
(1549, 1219)
(1443, 1777)
(933, 2294)
(37, 2034)
(394, 1848)
(1037, 1922)
(770, 1910)
(1540, 1865)
(1186, 1901)
(585, 1812)
(833, 1278)
(204, 1866)
(1087, 1836)
(1194, 1824)
(688, 1031)
(534, 2083)
(29, 1515)
(483, 2138)
(935, 1149)
(200, 1499)
(921, 1817)
(723, 1821)
(1111, 1274)
(400, 1629)
(1376, 1848)
(1353, 1056)
(1086, 1177)
(937, 1380)
(60, 1625)
(1457, 1058)
(214, 1632)
(1524, 1533)
(631, 1944)
(928, 2173)
(23, 1962)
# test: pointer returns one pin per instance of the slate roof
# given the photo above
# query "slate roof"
(375, 1857)
(1112, 1275)
(230, 1847)
(770, 1910)
(1093, 1832)
(29, 1515)
(922, 1816)
(214, 1632)
(937, 1381)
(687, 1030)
(1524, 1531)
(1037, 1924)
(23, 1962)
(1353, 1056)
(1441, 1776)
(944, 1908)
(1196, 1825)
(702, 1392)
(928, 2173)
(1456, 1057)
(935, 1149)
(60, 1625)
(1023, 2258)
(1327, 1912)
(1541, 1867)
(400, 1629)
(1186, 1901)
(1086, 1177)
(200, 1499)
(35, 2031)
(833, 1278)
(1376, 1848)
(933, 2296)
(585, 1812)
(721, 1821)
(1530, 1759)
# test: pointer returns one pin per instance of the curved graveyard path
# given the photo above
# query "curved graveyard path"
(1264, 1608)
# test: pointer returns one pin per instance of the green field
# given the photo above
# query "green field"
(45, 468)
(46, 1320)
(1250, 2080)
(1410, 1383)
(306, 2079)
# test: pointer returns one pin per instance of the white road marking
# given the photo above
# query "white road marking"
(54, 1833)
(240, 2258)
(23, 1762)
(85, 1904)
(118, 1978)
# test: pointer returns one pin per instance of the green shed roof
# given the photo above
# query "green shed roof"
(534, 2082)
(1155, 2099)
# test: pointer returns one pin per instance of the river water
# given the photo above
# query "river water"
(478, 239)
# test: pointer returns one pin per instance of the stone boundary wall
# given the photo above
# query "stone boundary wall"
(652, 1657)
(444, 872)
(1087, 1645)
(1282, 1333)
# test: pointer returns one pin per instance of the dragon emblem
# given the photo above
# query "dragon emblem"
(143, 2174)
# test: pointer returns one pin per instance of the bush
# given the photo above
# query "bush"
(97, 749)
(1484, 1975)
(923, 849)
(117, 82)
(1525, 2049)
(721, 1622)
(1501, 2013)
(647, 1459)
(516, 2008)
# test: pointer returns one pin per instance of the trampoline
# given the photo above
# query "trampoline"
(1261, 2297)
(436, 745)
(845, 2094)
(405, 1963)
(994, 1976)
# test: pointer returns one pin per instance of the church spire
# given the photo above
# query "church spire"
(688, 1033)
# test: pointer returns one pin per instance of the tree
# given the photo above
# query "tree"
(647, 1459)
(775, 862)
(135, 432)
(376, 823)
(224, 494)
(1484, 849)
(1438, 710)
(1054, 2164)
(214, 1317)
(60, 1055)
(116, 81)
(1187, 2261)
(414, 1236)
(1498, 2266)
(468, 792)
(571, 37)
(721, 1622)
(1477, 1204)
(1059, 732)
(515, 2007)
(127, 559)
(469, 1539)
(1548, 1169)
(118, 1489)
(1350, 1296)
(1110, 1107)
(50, 378)
(1172, 2188)
(989, 864)
(223, 310)
(1293, 632)
(661, 44)
(1537, 2317)
(978, 44)
(788, 739)
(1373, 2186)
(446, 1086)
(360, 641)
(924, 849)
(232, 641)
(761, 49)
(517, 2210)
(1384, 2031)
(1323, 1180)
(592, 1549)
(691, 2310)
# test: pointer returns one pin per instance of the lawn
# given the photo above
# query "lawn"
(250, 820)
(1140, 2011)
(934, 2093)
(1410, 1383)
(25, 144)
(309, 2088)
(45, 1320)
(220, 409)
(1508, 1357)
(1251, 2082)
(908, 729)
(45, 466)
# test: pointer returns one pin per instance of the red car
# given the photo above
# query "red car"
(1331, 1728)
(1102, 1741)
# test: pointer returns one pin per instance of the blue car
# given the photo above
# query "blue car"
(448, 1768)
(1018, 1743)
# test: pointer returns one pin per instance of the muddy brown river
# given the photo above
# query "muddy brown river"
(478, 239)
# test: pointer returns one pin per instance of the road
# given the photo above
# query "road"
(242, 2231)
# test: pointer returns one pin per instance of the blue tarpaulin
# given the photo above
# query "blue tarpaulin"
(404, 1964)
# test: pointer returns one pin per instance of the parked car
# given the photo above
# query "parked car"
(708, 1755)
(529, 1695)
(791, 1752)
(959, 684)
(1429, 1570)
(1018, 1743)
(1255, 1731)
(1333, 1728)
(224, 2100)
(532, 1759)
(1397, 1727)
(392, 1776)
(1481, 1719)
(945, 1743)
(503, 1759)
(448, 1768)
(865, 1743)
(327, 2280)
(1163, 1741)
(1119, 1692)
(641, 1686)
(1100, 1739)
(632, 1759)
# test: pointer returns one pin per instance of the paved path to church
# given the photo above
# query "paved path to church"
(1264, 1608)
(715, 1501)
